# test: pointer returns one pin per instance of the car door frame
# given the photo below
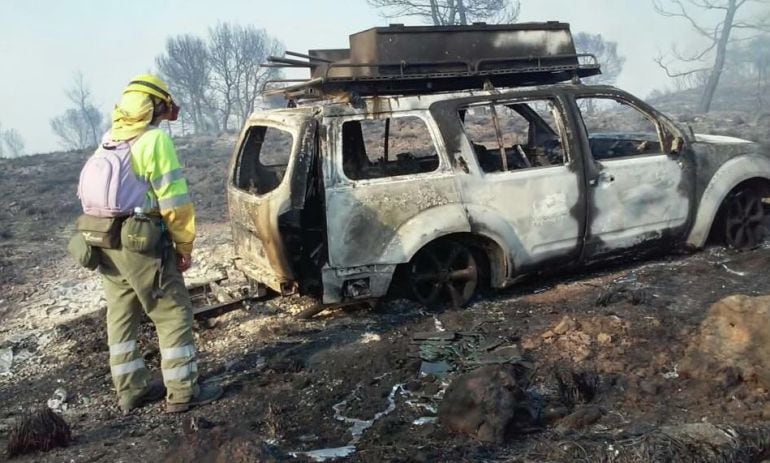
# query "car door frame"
(258, 216)
(669, 135)
(465, 163)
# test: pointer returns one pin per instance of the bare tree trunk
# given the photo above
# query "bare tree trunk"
(226, 111)
(452, 13)
(434, 13)
(719, 64)
(84, 112)
(761, 84)
(80, 96)
(461, 12)
(199, 120)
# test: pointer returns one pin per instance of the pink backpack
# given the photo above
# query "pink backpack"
(108, 185)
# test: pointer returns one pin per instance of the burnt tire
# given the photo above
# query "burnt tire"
(443, 273)
(742, 219)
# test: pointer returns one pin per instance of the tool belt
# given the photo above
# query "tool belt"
(82, 252)
(100, 232)
(142, 234)
(93, 232)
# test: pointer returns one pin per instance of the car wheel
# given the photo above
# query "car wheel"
(744, 216)
(444, 272)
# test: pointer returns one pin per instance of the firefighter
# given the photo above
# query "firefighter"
(149, 280)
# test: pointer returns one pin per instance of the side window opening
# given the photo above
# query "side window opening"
(617, 130)
(263, 159)
(391, 147)
(513, 136)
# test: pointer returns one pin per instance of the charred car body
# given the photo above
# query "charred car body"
(481, 168)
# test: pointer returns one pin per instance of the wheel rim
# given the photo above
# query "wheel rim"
(744, 221)
(442, 273)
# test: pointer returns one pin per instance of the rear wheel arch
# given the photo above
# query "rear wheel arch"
(491, 255)
(488, 258)
(491, 251)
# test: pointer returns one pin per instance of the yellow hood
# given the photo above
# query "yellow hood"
(131, 116)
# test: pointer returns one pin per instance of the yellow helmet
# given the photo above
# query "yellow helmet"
(151, 85)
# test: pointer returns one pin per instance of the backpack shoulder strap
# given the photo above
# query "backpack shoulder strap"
(110, 144)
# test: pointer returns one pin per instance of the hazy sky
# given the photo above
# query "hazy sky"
(43, 42)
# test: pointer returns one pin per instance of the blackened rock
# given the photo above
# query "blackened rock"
(580, 418)
(553, 413)
(617, 294)
(223, 445)
(577, 387)
(640, 296)
(729, 377)
(482, 403)
(651, 386)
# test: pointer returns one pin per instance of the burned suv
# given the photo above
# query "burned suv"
(480, 166)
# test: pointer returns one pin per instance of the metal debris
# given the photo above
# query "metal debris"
(438, 324)
(424, 420)
(6, 361)
(446, 351)
(734, 272)
(58, 402)
(328, 454)
(673, 374)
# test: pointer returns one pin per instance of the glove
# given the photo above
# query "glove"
(183, 262)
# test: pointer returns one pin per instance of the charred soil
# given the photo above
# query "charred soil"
(600, 350)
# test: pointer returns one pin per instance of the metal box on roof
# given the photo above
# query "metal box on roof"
(424, 59)
(430, 49)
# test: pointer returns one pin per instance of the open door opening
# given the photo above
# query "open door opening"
(303, 227)
(277, 208)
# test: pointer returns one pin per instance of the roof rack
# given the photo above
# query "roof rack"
(401, 60)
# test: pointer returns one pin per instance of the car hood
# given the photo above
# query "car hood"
(722, 148)
(719, 139)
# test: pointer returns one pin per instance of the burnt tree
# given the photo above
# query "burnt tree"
(606, 53)
(13, 142)
(218, 80)
(237, 76)
(451, 12)
(186, 66)
(733, 15)
(81, 125)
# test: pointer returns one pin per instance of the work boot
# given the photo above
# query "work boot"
(207, 393)
(154, 392)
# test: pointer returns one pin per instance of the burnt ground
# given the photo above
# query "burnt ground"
(294, 386)
(629, 326)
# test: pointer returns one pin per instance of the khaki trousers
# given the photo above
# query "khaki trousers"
(130, 286)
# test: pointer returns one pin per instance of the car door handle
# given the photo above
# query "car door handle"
(463, 164)
(603, 177)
